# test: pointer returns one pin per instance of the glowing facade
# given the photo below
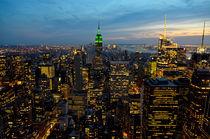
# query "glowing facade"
(197, 120)
(98, 61)
(16, 66)
(170, 58)
(3, 66)
(152, 67)
(160, 108)
(96, 82)
(119, 81)
(49, 70)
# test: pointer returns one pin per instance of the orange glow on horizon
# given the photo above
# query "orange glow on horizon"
(178, 29)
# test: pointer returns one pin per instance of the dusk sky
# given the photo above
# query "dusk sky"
(122, 21)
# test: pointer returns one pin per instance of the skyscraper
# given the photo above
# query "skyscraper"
(197, 121)
(171, 59)
(152, 67)
(183, 89)
(98, 61)
(3, 66)
(96, 82)
(201, 59)
(119, 81)
(49, 70)
(77, 70)
(16, 66)
(160, 108)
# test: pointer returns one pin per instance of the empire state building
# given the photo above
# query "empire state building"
(98, 61)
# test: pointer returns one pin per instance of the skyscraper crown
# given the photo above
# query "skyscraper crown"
(98, 36)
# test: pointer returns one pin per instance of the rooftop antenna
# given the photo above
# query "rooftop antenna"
(165, 27)
(202, 44)
(99, 32)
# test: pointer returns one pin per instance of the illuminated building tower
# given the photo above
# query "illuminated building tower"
(183, 89)
(160, 108)
(78, 103)
(33, 77)
(95, 94)
(89, 113)
(176, 64)
(171, 59)
(119, 81)
(134, 107)
(98, 61)
(96, 82)
(164, 42)
(77, 70)
(44, 83)
(16, 67)
(49, 70)
(38, 111)
(201, 59)
(27, 75)
(23, 112)
(197, 121)
(85, 77)
(151, 70)
(181, 59)
(3, 66)
(46, 58)
(65, 89)
(7, 95)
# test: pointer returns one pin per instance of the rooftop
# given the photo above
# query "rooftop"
(119, 62)
(45, 64)
(159, 82)
(182, 81)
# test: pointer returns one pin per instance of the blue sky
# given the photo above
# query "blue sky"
(122, 21)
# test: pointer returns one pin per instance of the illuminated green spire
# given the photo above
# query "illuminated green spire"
(98, 36)
(99, 31)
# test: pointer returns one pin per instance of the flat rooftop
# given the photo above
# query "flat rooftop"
(160, 82)
(182, 81)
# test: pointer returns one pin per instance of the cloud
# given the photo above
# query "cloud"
(70, 20)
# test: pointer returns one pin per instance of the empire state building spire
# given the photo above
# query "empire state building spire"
(98, 35)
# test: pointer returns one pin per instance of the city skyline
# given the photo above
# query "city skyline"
(104, 90)
(70, 22)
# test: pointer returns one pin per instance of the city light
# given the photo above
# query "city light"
(111, 86)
